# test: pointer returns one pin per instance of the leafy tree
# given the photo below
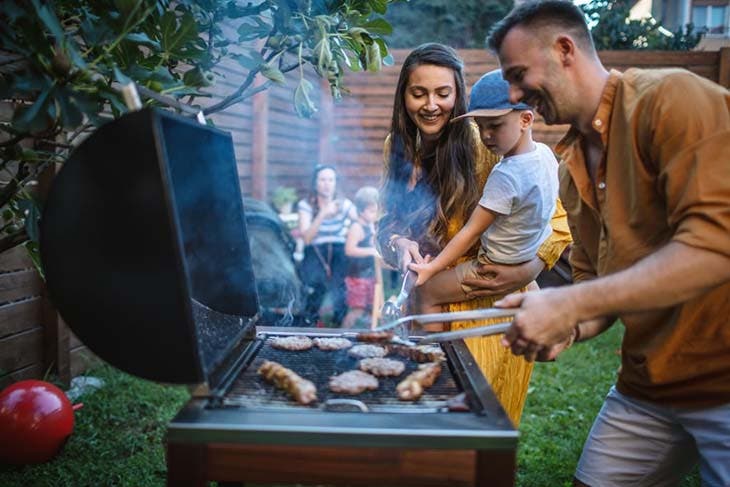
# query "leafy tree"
(458, 23)
(613, 29)
(62, 62)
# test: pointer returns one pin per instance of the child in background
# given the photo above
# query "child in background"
(518, 201)
(361, 255)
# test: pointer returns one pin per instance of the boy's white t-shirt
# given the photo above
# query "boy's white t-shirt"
(522, 190)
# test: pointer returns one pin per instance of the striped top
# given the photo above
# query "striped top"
(331, 230)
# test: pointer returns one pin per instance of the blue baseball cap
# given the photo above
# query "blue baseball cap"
(490, 97)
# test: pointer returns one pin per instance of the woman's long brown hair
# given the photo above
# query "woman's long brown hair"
(448, 187)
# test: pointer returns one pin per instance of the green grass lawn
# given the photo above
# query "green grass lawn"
(118, 439)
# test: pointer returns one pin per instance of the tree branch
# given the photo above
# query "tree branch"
(233, 97)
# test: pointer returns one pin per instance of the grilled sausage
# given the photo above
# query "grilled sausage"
(302, 390)
(411, 388)
(420, 354)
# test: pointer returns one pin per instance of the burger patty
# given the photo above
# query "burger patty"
(332, 343)
(353, 382)
(367, 351)
(382, 367)
(291, 343)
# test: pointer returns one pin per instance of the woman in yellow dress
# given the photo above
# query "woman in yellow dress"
(432, 178)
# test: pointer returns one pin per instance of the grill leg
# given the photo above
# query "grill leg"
(185, 466)
(495, 468)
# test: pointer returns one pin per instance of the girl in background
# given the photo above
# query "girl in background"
(361, 255)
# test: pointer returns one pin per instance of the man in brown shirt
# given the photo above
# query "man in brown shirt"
(645, 179)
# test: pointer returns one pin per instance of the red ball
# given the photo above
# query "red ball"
(36, 419)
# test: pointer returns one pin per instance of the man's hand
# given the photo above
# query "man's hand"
(545, 320)
(502, 279)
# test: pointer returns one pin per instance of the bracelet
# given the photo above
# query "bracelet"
(391, 242)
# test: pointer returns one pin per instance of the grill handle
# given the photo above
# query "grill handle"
(332, 405)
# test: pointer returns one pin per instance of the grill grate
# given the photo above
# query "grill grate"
(251, 390)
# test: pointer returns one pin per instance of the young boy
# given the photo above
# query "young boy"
(517, 203)
(360, 252)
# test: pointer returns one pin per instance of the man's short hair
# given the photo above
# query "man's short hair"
(536, 14)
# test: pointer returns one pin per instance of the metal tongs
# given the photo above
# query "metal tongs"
(477, 314)
(391, 310)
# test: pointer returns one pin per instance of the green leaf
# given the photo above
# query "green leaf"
(378, 26)
(323, 54)
(198, 77)
(383, 47)
(48, 16)
(32, 217)
(11, 10)
(121, 77)
(174, 36)
(143, 39)
(373, 58)
(33, 118)
(302, 100)
(379, 6)
(273, 73)
(250, 62)
(71, 116)
(249, 32)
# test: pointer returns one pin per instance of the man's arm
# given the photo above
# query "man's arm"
(668, 277)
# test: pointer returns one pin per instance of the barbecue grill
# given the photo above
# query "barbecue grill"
(145, 248)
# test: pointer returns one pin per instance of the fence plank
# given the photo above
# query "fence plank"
(724, 67)
(22, 350)
(19, 316)
(15, 259)
(19, 284)
(34, 371)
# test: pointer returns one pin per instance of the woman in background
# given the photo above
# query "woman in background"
(434, 170)
(323, 221)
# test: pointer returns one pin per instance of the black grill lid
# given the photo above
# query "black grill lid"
(144, 246)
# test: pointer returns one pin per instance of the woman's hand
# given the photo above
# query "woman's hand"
(408, 252)
(503, 279)
(332, 208)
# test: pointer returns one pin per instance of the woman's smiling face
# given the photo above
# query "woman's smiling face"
(430, 98)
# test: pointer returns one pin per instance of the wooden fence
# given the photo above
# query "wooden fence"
(274, 147)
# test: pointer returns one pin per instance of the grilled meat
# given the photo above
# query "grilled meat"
(367, 351)
(332, 343)
(420, 353)
(302, 390)
(411, 388)
(382, 367)
(291, 343)
(353, 382)
(375, 336)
